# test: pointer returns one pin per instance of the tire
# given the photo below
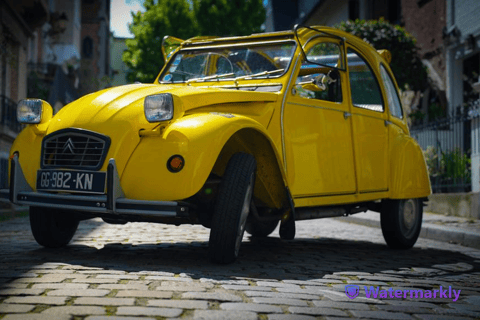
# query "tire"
(401, 222)
(261, 229)
(232, 207)
(52, 228)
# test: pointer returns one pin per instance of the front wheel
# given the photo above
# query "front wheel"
(232, 207)
(401, 222)
(52, 228)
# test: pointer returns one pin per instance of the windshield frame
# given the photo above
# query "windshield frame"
(207, 48)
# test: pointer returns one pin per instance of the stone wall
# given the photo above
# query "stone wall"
(465, 205)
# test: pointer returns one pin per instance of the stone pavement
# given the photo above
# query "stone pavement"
(152, 271)
(434, 226)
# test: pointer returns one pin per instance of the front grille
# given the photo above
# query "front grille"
(74, 148)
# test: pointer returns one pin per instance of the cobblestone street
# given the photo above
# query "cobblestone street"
(150, 271)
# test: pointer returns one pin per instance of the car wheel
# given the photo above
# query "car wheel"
(401, 222)
(261, 229)
(232, 207)
(52, 228)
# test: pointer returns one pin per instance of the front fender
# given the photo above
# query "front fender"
(28, 145)
(199, 139)
(409, 175)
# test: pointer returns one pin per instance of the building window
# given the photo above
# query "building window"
(87, 47)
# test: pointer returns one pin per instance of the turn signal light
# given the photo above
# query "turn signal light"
(14, 154)
(175, 163)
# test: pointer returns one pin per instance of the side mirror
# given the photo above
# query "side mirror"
(310, 86)
(320, 82)
(334, 75)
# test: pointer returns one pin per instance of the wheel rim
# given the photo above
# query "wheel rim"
(409, 218)
(243, 216)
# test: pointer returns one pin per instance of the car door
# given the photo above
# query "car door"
(370, 124)
(316, 127)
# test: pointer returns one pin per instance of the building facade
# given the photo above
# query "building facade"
(462, 42)
(95, 38)
(41, 44)
(118, 68)
(18, 22)
(283, 15)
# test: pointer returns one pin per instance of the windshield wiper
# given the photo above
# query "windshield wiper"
(226, 75)
(213, 77)
(183, 73)
(260, 74)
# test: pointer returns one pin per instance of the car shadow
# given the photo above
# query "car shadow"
(268, 258)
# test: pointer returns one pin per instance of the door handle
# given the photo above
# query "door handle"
(346, 115)
(387, 123)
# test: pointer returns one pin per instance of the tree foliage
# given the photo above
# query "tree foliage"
(406, 64)
(144, 54)
(229, 17)
(184, 19)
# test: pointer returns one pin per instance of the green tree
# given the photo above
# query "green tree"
(229, 17)
(406, 64)
(165, 17)
(184, 19)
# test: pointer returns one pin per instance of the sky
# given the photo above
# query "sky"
(121, 17)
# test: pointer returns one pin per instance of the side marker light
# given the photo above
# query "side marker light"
(175, 163)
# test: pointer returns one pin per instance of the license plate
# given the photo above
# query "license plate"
(73, 181)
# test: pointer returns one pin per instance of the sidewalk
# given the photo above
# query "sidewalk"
(434, 226)
(14, 212)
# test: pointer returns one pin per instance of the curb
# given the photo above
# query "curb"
(430, 231)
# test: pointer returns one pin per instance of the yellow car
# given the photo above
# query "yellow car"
(236, 134)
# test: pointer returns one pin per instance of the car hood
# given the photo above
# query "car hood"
(125, 104)
(118, 112)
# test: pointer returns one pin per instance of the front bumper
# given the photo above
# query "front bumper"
(112, 204)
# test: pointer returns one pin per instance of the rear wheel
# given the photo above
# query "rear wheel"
(52, 228)
(401, 222)
(261, 229)
(232, 207)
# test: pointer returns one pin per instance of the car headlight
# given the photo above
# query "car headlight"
(158, 107)
(29, 111)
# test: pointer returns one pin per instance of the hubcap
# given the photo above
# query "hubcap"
(243, 215)
(409, 217)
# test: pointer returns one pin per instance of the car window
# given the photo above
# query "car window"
(223, 63)
(187, 65)
(225, 66)
(320, 82)
(394, 104)
(364, 87)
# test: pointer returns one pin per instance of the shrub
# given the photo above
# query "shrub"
(406, 64)
(449, 170)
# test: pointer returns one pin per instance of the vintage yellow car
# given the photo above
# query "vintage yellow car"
(236, 134)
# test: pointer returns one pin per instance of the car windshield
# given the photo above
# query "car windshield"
(229, 62)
